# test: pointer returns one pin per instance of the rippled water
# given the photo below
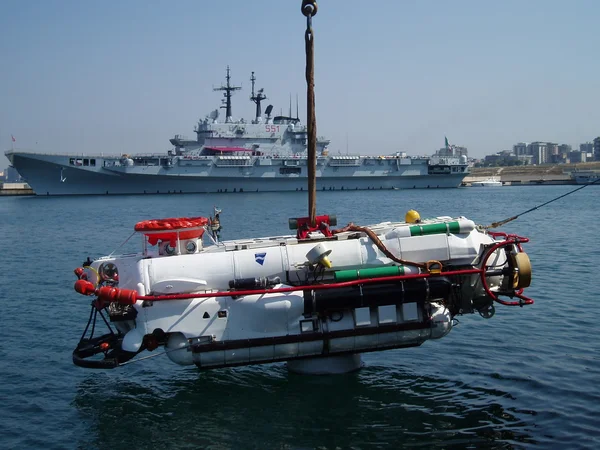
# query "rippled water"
(527, 378)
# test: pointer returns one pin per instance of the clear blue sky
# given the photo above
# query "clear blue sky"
(116, 77)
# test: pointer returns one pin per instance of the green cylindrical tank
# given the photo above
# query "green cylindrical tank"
(435, 228)
(372, 272)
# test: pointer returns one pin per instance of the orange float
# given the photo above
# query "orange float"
(171, 227)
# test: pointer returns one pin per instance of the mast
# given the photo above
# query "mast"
(229, 89)
(259, 97)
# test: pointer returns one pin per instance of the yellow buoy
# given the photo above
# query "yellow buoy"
(412, 216)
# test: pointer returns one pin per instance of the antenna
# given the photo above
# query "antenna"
(346, 143)
(229, 89)
(297, 115)
(290, 114)
(259, 97)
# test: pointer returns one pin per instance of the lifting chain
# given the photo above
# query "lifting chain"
(309, 9)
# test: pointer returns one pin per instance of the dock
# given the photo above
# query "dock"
(15, 189)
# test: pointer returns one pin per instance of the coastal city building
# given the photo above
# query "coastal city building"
(577, 157)
(520, 148)
(538, 152)
(587, 147)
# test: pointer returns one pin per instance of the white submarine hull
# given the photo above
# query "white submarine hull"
(287, 298)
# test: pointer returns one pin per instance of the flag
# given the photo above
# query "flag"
(13, 138)
(447, 144)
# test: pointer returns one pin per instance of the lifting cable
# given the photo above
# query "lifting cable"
(309, 9)
(510, 219)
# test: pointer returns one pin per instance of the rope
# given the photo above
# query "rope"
(153, 356)
(309, 9)
(126, 240)
(510, 219)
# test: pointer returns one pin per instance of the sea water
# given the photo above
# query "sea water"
(527, 378)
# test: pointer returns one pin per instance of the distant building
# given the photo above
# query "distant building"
(539, 151)
(577, 157)
(560, 158)
(551, 149)
(493, 160)
(597, 149)
(524, 153)
(520, 148)
(588, 147)
(564, 149)
(506, 158)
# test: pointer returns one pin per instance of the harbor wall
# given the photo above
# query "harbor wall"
(15, 189)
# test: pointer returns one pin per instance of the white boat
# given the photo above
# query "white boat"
(490, 182)
(317, 299)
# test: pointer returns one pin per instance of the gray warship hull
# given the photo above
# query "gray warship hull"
(52, 174)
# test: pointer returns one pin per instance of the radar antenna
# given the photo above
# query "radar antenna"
(259, 97)
(229, 89)
(268, 112)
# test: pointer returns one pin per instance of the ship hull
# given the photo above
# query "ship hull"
(56, 175)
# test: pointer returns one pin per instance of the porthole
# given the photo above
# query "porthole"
(190, 246)
(108, 272)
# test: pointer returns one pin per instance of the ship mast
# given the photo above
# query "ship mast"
(229, 89)
(259, 97)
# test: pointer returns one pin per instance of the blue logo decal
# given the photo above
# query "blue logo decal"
(260, 258)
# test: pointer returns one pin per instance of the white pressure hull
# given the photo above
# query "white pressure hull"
(276, 299)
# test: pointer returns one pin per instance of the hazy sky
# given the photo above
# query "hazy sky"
(393, 75)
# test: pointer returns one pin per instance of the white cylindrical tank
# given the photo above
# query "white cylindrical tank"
(177, 349)
(441, 321)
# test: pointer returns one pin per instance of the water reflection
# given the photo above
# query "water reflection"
(266, 407)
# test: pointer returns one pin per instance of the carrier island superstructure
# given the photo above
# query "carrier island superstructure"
(268, 153)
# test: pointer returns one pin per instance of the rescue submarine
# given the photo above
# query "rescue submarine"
(316, 299)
